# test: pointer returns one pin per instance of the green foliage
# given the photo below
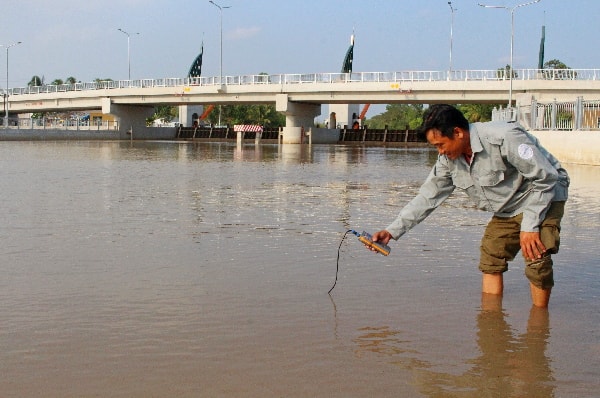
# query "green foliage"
(563, 116)
(165, 112)
(555, 64)
(560, 71)
(397, 117)
(36, 81)
(477, 112)
(263, 115)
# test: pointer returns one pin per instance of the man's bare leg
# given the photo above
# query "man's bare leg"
(540, 297)
(491, 302)
(492, 284)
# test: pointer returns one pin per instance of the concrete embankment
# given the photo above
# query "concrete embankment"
(155, 133)
(577, 147)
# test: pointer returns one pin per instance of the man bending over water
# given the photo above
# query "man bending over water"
(504, 170)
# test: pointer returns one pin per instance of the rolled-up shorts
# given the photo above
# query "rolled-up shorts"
(502, 241)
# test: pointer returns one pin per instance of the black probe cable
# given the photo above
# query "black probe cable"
(337, 265)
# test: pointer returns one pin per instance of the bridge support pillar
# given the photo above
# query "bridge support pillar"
(188, 114)
(345, 115)
(130, 118)
(299, 117)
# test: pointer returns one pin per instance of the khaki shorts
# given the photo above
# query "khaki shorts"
(501, 242)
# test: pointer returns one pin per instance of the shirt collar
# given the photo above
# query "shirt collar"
(475, 140)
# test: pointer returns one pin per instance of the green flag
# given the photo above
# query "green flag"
(196, 68)
(347, 66)
(541, 57)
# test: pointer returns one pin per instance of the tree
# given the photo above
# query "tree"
(164, 112)
(557, 70)
(397, 117)
(263, 115)
(102, 83)
(36, 81)
(57, 82)
(477, 112)
(555, 64)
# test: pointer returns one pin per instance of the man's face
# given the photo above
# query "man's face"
(451, 147)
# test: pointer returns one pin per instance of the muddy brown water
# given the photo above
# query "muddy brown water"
(170, 269)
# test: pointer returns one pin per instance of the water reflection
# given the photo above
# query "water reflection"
(382, 340)
(512, 365)
(509, 364)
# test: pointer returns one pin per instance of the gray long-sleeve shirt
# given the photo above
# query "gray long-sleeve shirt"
(510, 173)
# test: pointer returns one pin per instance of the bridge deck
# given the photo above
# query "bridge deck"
(474, 86)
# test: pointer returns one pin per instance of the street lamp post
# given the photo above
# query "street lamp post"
(452, 9)
(6, 93)
(221, 37)
(221, 46)
(512, 35)
(128, 52)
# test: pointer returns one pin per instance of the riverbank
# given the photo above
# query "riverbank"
(21, 134)
(575, 147)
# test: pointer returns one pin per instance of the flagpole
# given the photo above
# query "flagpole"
(542, 42)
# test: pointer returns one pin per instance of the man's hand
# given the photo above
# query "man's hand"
(381, 237)
(531, 245)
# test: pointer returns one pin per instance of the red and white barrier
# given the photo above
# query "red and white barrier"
(247, 128)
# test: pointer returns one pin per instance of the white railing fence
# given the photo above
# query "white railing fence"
(573, 115)
(59, 124)
(347, 78)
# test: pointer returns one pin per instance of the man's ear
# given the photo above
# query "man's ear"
(458, 132)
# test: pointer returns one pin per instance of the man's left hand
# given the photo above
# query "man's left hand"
(531, 245)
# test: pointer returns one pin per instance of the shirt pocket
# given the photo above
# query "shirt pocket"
(462, 181)
(491, 179)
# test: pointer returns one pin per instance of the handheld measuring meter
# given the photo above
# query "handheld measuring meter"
(367, 239)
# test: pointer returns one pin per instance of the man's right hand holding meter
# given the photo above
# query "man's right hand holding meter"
(381, 237)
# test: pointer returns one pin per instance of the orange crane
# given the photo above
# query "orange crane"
(364, 111)
(207, 112)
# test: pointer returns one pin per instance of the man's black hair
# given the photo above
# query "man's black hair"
(444, 118)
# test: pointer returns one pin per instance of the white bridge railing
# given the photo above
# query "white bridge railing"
(345, 78)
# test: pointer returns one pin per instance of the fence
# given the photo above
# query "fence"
(224, 133)
(573, 115)
(53, 124)
(346, 135)
(294, 79)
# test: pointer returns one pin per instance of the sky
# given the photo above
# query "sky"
(64, 38)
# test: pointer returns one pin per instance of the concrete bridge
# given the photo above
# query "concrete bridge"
(300, 96)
